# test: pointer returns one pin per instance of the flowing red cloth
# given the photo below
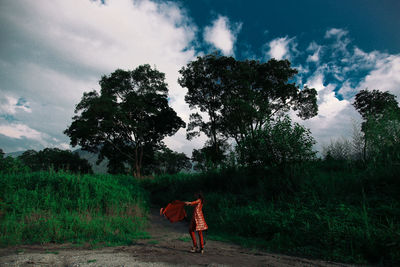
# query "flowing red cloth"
(174, 211)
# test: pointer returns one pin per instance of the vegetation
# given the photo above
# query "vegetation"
(50, 207)
(167, 161)
(55, 159)
(319, 209)
(127, 121)
(240, 98)
(263, 184)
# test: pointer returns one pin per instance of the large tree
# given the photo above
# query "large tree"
(241, 97)
(130, 114)
(204, 80)
(259, 92)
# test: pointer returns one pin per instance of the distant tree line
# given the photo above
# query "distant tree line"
(165, 161)
(47, 159)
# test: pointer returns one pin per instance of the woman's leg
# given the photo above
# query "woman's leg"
(193, 236)
(201, 239)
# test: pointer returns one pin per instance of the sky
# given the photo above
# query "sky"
(53, 51)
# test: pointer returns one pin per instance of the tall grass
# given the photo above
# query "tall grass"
(344, 214)
(43, 207)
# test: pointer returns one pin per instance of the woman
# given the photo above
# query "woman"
(197, 223)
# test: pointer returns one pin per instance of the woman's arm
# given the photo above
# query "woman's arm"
(193, 203)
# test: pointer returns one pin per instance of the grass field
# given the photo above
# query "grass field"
(49, 207)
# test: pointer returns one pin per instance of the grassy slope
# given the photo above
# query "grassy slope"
(45, 207)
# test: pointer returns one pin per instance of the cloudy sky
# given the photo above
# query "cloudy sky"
(51, 51)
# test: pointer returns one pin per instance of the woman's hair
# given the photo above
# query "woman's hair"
(200, 195)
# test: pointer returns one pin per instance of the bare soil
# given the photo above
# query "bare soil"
(169, 245)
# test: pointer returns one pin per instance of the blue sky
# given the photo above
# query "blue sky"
(53, 51)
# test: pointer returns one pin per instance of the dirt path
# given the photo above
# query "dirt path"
(169, 246)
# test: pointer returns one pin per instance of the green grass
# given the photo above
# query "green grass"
(185, 239)
(333, 211)
(345, 214)
(48, 207)
(52, 252)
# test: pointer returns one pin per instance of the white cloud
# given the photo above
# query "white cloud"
(282, 48)
(341, 42)
(384, 77)
(54, 51)
(335, 117)
(316, 81)
(17, 130)
(222, 34)
(316, 49)
(10, 105)
(335, 32)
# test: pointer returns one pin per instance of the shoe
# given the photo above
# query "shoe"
(202, 251)
(193, 249)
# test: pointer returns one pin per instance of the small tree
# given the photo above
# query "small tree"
(278, 143)
(205, 157)
(379, 110)
(167, 161)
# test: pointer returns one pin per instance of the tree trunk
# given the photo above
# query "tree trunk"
(136, 171)
(140, 162)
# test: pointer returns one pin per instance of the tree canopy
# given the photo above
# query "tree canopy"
(381, 125)
(241, 97)
(131, 114)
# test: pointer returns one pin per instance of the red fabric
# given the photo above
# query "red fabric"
(198, 222)
(192, 234)
(174, 211)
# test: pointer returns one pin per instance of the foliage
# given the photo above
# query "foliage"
(11, 165)
(384, 137)
(258, 92)
(44, 207)
(347, 214)
(203, 79)
(130, 115)
(56, 159)
(380, 112)
(373, 104)
(167, 161)
(278, 143)
(204, 157)
(240, 97)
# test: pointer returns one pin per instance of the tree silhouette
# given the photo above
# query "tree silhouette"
(130, 113)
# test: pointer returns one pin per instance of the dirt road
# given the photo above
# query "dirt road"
(169, 246)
